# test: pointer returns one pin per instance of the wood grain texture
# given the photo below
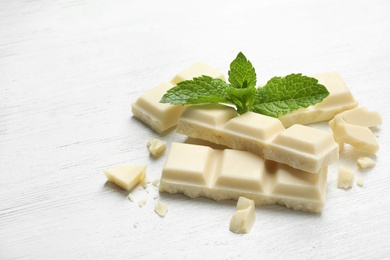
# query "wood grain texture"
(69, 71)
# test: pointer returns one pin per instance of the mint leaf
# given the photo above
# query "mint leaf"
(241, 97)
(241, 73)
(203, 89)
(282, 95)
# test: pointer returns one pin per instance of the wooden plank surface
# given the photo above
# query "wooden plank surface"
(69, 71)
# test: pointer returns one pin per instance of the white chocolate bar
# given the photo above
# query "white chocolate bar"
(200, 171)
(299, 146)
(161, 117)
(339, 99)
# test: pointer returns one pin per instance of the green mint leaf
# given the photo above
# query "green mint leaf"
(241, 73)
(242, 98)
(200, 90)
(282, 95)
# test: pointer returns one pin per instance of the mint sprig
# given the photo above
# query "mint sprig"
(279, 96)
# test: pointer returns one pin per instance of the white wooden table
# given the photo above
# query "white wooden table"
(69, 71)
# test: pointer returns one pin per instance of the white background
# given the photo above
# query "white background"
(69, 71)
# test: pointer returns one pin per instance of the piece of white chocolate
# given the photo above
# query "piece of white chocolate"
(365, 162)
(156, 147)
(299, 146)
(162, 117)
(243, 219)
(161, 209)
(339, 99)
(142, 202)
(196, 171)
(130, 197)
(360, 137)
(126, 176)
(345, 177)
(360, 181)
(155, 182)
(360, 116)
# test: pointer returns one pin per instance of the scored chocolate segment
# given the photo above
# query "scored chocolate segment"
(240, 170)
(339, 94)
(256, 126)
(211, 116)
(205, 123)
(156, 115)
(298, 183)
(200, 171)
(250, 132)
(162, 117)
(303, 147)
(191, 164)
